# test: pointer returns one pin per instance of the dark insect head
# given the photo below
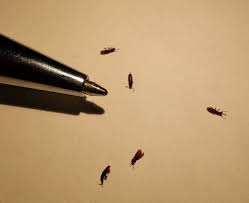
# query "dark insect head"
(133, 161)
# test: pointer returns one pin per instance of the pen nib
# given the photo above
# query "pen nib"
(91, 88)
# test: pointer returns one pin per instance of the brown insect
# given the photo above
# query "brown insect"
(104, 174)
(130, 82)
(139, 154)
(108, 50)
(215, 111)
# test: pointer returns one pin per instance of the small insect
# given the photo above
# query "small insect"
(108, 50)
(104, 174)
(130, 82)
(139, 154)
(215, 111)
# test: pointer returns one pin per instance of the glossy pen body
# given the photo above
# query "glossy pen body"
(22, 66)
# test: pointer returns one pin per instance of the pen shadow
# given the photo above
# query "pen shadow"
(47, 101)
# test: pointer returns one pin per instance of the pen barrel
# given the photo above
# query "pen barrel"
(22, 66)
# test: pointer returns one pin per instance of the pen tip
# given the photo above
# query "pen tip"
(91, 88)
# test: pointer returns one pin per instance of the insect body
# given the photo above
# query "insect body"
(215, 111)
(104, 174)
(130, 81)
(108, 50)
(139, 154)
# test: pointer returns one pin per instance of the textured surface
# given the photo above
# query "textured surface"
(184, 56)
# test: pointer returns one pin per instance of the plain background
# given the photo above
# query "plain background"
(184, 55)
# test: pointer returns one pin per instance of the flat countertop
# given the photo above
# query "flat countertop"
(184, 56)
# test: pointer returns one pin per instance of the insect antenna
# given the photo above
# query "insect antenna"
(222, 115)
(132, 165)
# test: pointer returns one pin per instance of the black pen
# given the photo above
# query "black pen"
(22, 66)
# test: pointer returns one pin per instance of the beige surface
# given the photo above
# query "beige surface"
(184, 55)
